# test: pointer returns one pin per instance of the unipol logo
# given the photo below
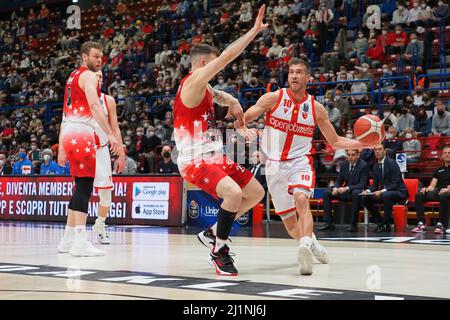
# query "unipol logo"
(74, 20)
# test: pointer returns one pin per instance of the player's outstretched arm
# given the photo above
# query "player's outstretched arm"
(264, 104)
(203, 75)
(330, 134)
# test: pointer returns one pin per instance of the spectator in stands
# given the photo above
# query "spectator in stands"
(359, 47)
(424, 82)
(406, 120)
(375, 54)
(5, 167)
(422, 124)
(389, 115)
(418, 96)
(399, 40)
(23, 166)
(414, 50)
(412, 146)
(166, 166)
(331, 60)
(441, 12)
(335, 115)
(413, 14)
(352, 180)
(50, 167)
(358, 89)
(275, 50)
(425, 17)
(388, 188)
(391, 143)
(440, 124)
(281, 9)
(400, 16)
(438, 190)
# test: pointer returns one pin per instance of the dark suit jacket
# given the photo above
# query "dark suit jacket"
(393, 180)
(358, 180)
(260, 175)
(7, 169)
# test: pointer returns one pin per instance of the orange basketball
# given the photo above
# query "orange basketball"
(369, 130)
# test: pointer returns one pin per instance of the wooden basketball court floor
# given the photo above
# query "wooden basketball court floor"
(170, 263)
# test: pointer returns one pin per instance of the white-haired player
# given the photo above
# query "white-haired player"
(292, 115)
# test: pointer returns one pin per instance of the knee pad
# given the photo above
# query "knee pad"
(81, 195)
(105, 197)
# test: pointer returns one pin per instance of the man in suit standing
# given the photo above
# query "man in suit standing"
(388, 188)
(258, 169)
(353, 178)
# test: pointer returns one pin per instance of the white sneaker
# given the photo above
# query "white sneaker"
(99, 229)
(65, 244)
(319, 250)
(84, 248)
(305, 257)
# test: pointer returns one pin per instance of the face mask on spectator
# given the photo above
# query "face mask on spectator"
(33, 147)
(166, 154)
(413, 40)
(360, 35)
(139, 133)
(440, 3)
(129, 133)
(22, 155)
(385, 70)
(261, 126)
(234, 68)
(46, 158)
(159, 127)
(389, 136)
(386, 114)
(375, 113)
(424, 5)
(441, 112)
(336, 48)
(408, 136)
(398, 31)
(33, 117)
(415, 4)
(221, 81)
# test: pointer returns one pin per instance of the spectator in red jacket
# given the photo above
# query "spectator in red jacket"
(375, 54)
(399, 40)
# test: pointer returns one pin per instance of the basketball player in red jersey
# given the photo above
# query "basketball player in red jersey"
(199, 144)
(103, 178)
(78, 143)
(291, 117)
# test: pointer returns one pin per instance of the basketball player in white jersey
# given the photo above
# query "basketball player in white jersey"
(291, 117)
(103, 175)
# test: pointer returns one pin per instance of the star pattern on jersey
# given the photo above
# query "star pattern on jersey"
(205, 116)
(81, 108)
(89, 143)
(69, 107)
(197, 123)
(87, 149)
(197, 165)
(181, 128)
(73, 141)
(75, 111)
(205, 180)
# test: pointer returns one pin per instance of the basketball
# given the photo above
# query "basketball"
(369, 130)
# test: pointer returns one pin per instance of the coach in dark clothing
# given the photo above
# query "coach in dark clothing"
(353, 178)
(388, 188)
(438, 190)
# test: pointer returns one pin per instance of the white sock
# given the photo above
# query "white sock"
(69, 232)
(80, 231)
(306, 240)
(214, 228)
(219, 244)
(101, 219)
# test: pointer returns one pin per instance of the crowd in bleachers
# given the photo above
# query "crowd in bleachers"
(147, 47)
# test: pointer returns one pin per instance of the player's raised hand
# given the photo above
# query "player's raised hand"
(259, 24)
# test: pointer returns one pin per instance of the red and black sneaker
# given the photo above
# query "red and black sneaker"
(223, 263)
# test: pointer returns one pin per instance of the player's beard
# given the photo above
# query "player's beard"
(91, 66)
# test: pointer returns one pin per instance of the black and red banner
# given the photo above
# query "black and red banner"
(139, 200)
